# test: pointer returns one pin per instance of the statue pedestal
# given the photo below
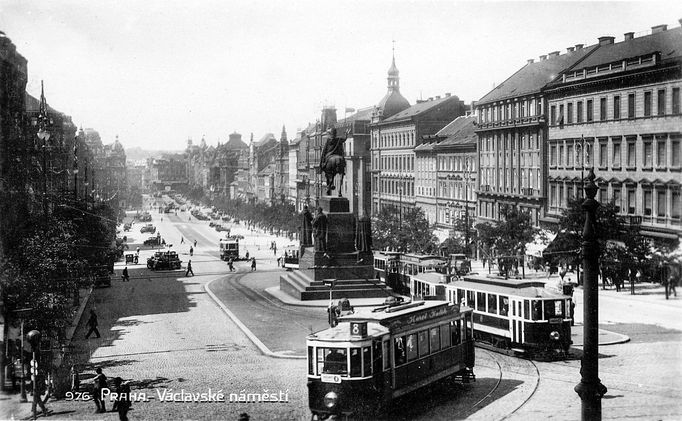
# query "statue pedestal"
(331, 204)
(352, 269)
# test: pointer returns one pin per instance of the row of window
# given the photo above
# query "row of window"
(644, 200)
(492, 210)
(395, 163)
(667, 102)
(512, 180)
(498, 304)
(456, 190)
(509, 141)
(456, 163)
(517, 109)
(393, 140)
(397, 187)
(658, 152)
(411, 347)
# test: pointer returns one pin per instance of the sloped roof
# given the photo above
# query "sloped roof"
(269, 169)
(419, 108)
(668, 43)
(361, 114)
(265, 139)
(459, 132)
(393, 102)
(534, 76)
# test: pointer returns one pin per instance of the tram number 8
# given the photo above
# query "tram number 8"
(358, 329)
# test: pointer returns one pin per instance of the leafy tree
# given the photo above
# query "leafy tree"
(415, 235)
(508, 237)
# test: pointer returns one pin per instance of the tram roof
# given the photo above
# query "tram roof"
(511, 283)
(341, 333)
(526, 291)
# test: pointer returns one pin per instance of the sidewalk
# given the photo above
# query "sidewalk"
(11, 407)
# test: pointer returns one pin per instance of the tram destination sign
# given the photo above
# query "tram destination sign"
(409, 320)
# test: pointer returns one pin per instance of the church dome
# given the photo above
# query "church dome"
(393, 103)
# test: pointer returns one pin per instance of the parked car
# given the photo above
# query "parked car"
(152, 241)
(148, 228)
(164, 260)
(127, 226)
(220, 228)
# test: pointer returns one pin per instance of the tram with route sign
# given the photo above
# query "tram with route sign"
(519, 316)
(372, 357)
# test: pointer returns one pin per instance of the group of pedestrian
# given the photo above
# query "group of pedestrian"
(100, 386)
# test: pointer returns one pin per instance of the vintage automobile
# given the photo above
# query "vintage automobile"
(152, 241)
(145, 217)
(148, 228)
(220, 228)
(127, 226)
(164, 260)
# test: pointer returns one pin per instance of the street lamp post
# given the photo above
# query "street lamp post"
(34, 340)
(590, 389)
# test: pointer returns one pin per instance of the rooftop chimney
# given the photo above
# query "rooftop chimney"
(554, 54)
(437, 96)
(570, 49)
(430, 98)
(447, 94)
(579, 47)
(629, 36)
(542, 58)
(530, 61)
(606, 40)
(658, 28)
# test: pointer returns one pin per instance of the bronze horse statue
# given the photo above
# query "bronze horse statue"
(332, 161)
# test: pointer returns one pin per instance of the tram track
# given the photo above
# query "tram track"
(498, 399)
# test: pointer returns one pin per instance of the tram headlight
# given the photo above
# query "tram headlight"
(330, 400)
(554, 335)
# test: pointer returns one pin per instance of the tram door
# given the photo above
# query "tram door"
(516, 321)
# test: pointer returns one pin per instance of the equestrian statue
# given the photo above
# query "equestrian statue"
(332, 161)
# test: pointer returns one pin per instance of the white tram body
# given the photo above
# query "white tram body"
(516, 314)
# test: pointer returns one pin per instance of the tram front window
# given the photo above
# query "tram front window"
(554, 308)
(333, 360)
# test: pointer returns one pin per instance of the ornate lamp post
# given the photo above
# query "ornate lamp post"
(34, 339)
(590, 388)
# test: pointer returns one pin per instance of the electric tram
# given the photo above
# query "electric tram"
(397, 269)
(358, 367)
(290, 257)
(520, 316)
(229, 248)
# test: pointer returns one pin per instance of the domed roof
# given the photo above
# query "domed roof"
(392, 103)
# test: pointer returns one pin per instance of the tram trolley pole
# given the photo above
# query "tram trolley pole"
(590, 389)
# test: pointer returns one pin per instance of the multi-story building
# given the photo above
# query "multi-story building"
(445, 175)
(511, 133)
(357, 185)
(168, 172)
(393, 140)
(618, 111)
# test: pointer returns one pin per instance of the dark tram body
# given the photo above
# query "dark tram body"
(370, 358)
(512, 314)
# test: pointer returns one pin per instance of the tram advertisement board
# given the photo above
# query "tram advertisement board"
(427, 315)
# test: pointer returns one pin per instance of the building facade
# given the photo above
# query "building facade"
(511, 133)
(618, 111)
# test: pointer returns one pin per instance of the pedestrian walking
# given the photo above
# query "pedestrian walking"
(99, 383)
(41, 387)
(75, 379)
(189, 268)
(195, 243)
(230, 264)
(92, 322)
(182, 240)
(253, 264)
(138, 250)
(672, 282)
(122, 404)
(124, 275)
(247, 255)
(191, 251)
(279, 261)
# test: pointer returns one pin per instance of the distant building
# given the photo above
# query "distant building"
(445, 175)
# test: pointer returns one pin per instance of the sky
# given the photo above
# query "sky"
(155, 73)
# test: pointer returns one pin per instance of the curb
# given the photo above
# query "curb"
(260, 345)
(621, 339)
(300, 304)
